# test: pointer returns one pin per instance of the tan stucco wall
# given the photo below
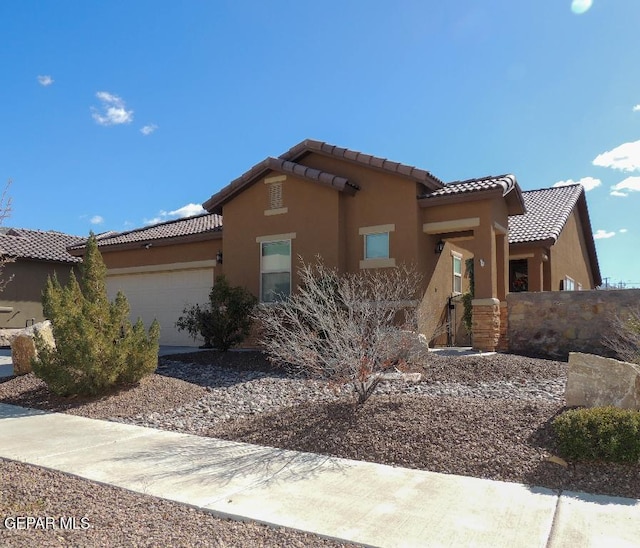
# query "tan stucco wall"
(485, 241)
(159, 255)
(383, 198)
(569, 256)
(313, 214)
(23, 294)
(432, 313)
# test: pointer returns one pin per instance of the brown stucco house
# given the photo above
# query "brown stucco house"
(359, 212)
(34, 256)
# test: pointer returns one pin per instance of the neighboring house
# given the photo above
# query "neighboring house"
(162, 269)
(358, 212)
(34, 256)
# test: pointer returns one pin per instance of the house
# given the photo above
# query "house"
(162, 269)
(34, 255)
(359, 212)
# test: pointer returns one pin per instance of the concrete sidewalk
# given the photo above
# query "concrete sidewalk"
(349, 500)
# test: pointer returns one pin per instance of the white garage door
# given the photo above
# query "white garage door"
(163, 296)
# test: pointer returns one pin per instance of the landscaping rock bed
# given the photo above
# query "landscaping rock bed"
(482, 416)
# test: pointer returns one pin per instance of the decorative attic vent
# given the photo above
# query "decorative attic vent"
(274, 188)
(275, 195)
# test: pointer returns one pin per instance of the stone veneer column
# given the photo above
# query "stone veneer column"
(486, 324)
(503, 341)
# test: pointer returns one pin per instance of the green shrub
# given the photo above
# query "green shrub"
(225, 320)
(96, 348)
(599, 433)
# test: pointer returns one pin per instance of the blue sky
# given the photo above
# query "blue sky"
(115, 114)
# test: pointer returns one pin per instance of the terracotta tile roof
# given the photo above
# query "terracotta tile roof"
(179, 228)
(505, 183)
(21, 243)
(320, 147)
(472, 189)
(282, 166)
(547, 212)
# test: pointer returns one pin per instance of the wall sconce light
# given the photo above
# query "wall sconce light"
(219, 257)
(147, 246)
(482, 263)
(439, 247)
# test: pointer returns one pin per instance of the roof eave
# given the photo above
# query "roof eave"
(589, 240)
(309, 146)
(215, 234)
(470, 196)
(277, 165)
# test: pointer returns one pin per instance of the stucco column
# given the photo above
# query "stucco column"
(486, 305)
(534, 271)
(502, 266)
(484, 266)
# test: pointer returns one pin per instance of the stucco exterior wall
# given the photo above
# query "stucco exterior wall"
(433, 314)
(383, 199)
(569, 256)
(313, 222)
(552, 324)
(162, 254)
(21, 300)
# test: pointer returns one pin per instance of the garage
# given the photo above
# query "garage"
(162, 292)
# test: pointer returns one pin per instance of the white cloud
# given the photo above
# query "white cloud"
(625, 157)
(148, 129)
(623, 231)
(96, 220)
(623, 188)
(636, 108)
(185, 211)
(45, 80)
(589, 183)
(188, 210)
(113, 111)
(601, 234)
(580, 6)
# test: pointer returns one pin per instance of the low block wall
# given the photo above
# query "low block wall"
(551, 324)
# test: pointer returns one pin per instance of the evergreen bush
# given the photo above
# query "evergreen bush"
(599, 433)
(224, 321)
(96, 346)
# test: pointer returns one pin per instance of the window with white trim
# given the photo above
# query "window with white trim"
(569, 284)
(456, 260)
(275, 270)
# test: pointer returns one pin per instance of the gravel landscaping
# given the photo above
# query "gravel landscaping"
(482, 416)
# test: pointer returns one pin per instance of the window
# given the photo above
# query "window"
(457, 272)
(376, 246)
(569, 284)
(518, 275)
(275, 270)
(376, 253)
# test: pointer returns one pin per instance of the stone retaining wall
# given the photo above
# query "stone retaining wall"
(551, 324)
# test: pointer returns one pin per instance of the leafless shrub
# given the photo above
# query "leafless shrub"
(5, 212)
(624, 337)
(346, 328)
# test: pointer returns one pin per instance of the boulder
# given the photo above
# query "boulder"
(594, 381)
(23, 347)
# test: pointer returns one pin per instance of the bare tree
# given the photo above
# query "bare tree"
(624, 335)
(346, 328)
(5, 213)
